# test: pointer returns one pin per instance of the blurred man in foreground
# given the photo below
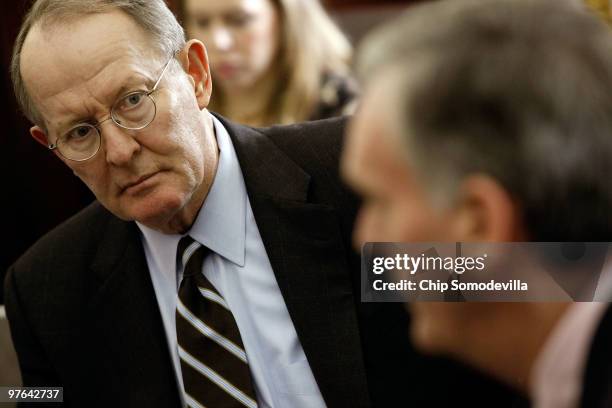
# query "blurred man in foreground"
(492, 122)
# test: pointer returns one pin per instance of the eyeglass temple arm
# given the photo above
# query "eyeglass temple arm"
(163, 72)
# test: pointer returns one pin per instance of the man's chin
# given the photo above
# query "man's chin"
(421, 338)
(426, 337)
(154, 212)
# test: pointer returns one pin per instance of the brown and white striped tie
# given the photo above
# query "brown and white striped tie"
(213, 361)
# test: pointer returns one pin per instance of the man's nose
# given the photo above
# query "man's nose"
(119, 144)
(222, 38)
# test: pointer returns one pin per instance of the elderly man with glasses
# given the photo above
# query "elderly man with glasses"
(215, 268)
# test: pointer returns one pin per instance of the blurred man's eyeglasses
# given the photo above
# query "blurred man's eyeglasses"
(133, 111)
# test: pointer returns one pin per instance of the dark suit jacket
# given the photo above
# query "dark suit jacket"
(83, 311)
(597, 388)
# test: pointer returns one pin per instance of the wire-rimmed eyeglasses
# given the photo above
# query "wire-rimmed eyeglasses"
(133, 111)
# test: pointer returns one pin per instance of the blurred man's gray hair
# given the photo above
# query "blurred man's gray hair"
(520, 90)
(167, 35)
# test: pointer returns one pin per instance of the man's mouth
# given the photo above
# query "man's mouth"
(133, 185)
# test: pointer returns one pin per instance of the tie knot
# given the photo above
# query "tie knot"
(188, 246)
(183, 244)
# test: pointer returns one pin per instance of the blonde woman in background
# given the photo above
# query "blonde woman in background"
(273, 61)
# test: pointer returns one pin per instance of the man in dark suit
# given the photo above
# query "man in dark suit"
(253, 222)
(490, 122)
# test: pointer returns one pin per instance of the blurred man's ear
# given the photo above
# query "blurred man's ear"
(195, 62)
(487, 212)
(39, 135)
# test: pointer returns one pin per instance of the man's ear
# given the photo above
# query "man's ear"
(39, 135)
(195, 62)
(486, 212)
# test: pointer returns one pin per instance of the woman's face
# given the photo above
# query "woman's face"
(241, 36)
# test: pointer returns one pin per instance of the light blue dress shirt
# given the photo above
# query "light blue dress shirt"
(239, 268)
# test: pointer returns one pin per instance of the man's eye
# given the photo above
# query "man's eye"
(130, 104)
(79, 132)
(132, 100)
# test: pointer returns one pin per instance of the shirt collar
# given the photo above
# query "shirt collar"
(221, 222)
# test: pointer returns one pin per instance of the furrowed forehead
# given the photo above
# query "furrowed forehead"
(83, 59)
(77, 111)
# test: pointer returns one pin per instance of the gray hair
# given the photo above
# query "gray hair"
(152, 15)
(520, 90)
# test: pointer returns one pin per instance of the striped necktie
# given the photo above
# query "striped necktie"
(213, 361)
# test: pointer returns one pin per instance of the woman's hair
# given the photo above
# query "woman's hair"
(602, 7)
(311, 45)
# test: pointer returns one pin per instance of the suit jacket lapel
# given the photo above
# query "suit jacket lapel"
(132, 348)
(304, 244)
